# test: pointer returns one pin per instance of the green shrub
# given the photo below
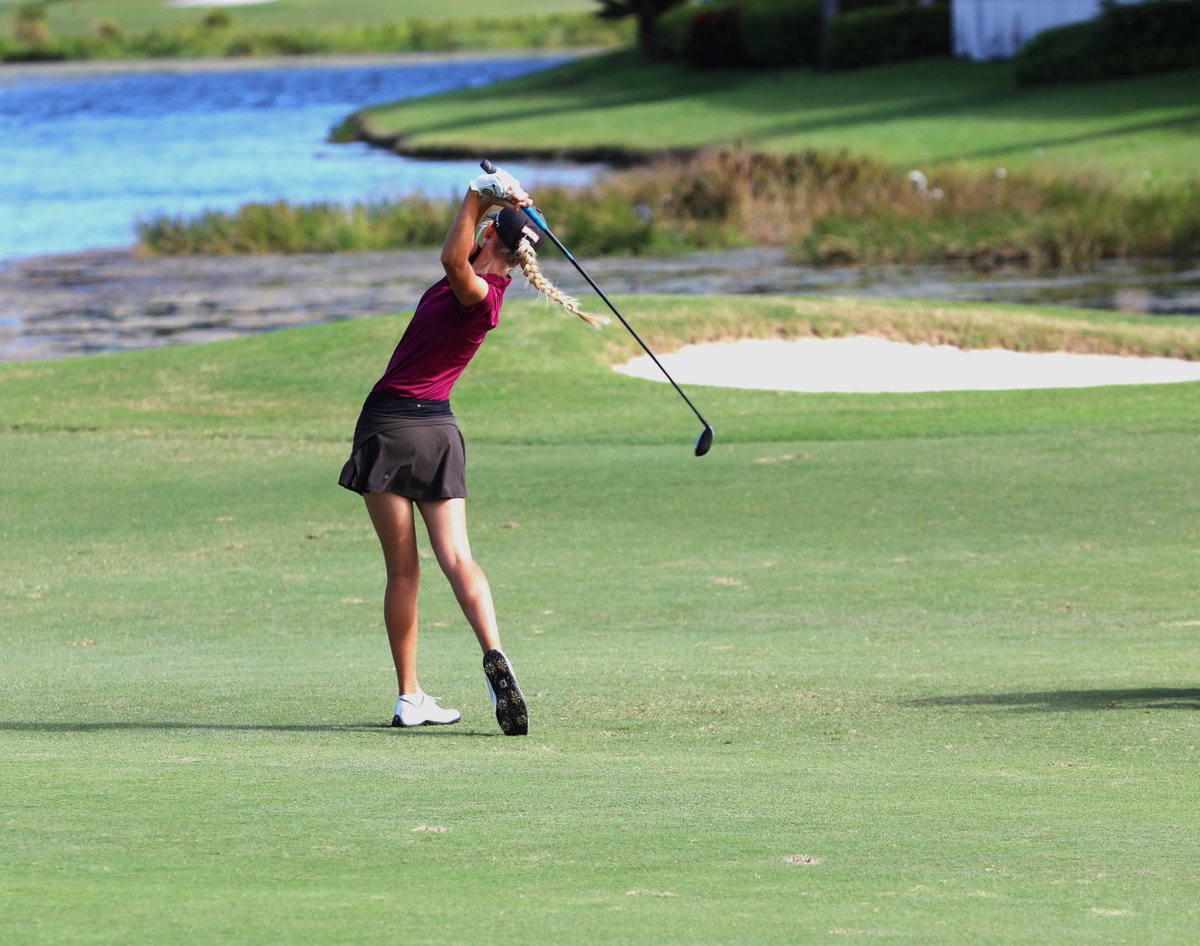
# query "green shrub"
(1060, 54)
(761, 33)
(780, 34)
(853, 6)
(1154, 37)
(887, 34)
(712, 39)
(1125, 40)
(672, 30)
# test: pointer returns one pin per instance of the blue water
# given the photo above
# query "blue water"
(83, 157)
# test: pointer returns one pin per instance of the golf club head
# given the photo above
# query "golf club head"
(704, 441)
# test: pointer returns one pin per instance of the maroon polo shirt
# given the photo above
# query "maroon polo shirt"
(440, 341)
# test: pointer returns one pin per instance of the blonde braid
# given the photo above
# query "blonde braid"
(528, 261)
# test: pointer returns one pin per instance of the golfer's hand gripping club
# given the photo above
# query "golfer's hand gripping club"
(497, 183)
(704, 441)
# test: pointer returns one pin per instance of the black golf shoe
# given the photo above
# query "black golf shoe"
(506, 694)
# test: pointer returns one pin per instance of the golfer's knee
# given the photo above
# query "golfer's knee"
(458, 566)
(404, 575)
(463, 572)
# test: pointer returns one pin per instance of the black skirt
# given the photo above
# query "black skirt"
(409, 447)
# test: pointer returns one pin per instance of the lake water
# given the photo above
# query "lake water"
(84, 154)
(86, 151)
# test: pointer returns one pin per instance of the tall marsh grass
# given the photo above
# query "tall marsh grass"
(282, 227)
(1019, 218)
(828, 208)
(219, 35)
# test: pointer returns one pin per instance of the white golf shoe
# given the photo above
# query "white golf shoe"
(421, 709)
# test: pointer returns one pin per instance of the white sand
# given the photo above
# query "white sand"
(216, 3)
(867, 364)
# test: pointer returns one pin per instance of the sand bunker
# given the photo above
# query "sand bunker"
(867, 364)
(216, 3)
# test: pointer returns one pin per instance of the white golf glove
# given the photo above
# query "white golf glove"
(497, 184)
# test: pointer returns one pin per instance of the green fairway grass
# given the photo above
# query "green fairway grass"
(916, 114)
(917, 669)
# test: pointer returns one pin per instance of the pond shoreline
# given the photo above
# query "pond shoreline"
(357, 127)
(96, 301)
(100, 67)
(110, 300)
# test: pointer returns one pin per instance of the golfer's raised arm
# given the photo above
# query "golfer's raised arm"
(467, 285)
(498, 189)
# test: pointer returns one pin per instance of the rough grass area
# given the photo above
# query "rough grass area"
(907, 668)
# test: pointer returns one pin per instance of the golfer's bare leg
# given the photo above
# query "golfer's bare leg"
(446, 520)
(392, 517)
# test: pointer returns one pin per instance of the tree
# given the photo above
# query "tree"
(647, 13)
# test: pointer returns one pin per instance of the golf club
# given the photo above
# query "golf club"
(704, 441)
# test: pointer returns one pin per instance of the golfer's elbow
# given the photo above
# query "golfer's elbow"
(457, 267)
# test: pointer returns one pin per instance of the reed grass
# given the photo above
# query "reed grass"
(828, 207)
(138, 15)
(1031, 218)
(221, 35)
(282, 227)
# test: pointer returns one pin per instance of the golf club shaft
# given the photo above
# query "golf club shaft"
(490, 168)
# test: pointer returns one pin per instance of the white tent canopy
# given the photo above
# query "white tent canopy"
(997, 29)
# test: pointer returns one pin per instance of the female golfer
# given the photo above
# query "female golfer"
(408, 450)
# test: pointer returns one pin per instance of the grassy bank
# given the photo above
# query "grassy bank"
(928, 114)
(131, 29)
(919, 669)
